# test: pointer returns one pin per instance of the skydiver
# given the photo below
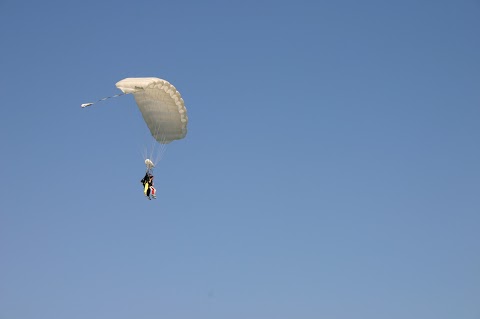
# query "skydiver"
(147, 182)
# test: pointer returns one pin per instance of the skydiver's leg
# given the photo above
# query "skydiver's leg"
(145, 189)
(154, 192)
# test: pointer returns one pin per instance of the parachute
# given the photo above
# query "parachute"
(162, 108)
(161, 105)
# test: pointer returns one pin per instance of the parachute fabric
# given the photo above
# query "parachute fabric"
(161, 105)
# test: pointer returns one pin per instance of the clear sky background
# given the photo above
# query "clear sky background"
(331, 168)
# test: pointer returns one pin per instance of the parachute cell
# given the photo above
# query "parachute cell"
(161, 105)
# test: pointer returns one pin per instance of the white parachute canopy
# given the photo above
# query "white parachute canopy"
(161, 105)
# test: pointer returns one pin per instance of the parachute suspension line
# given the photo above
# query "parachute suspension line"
(163, 146)
(157, 155)
(155, 151)
(161, 151)
(145, 153)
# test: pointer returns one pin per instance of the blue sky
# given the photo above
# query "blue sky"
(331, 169)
